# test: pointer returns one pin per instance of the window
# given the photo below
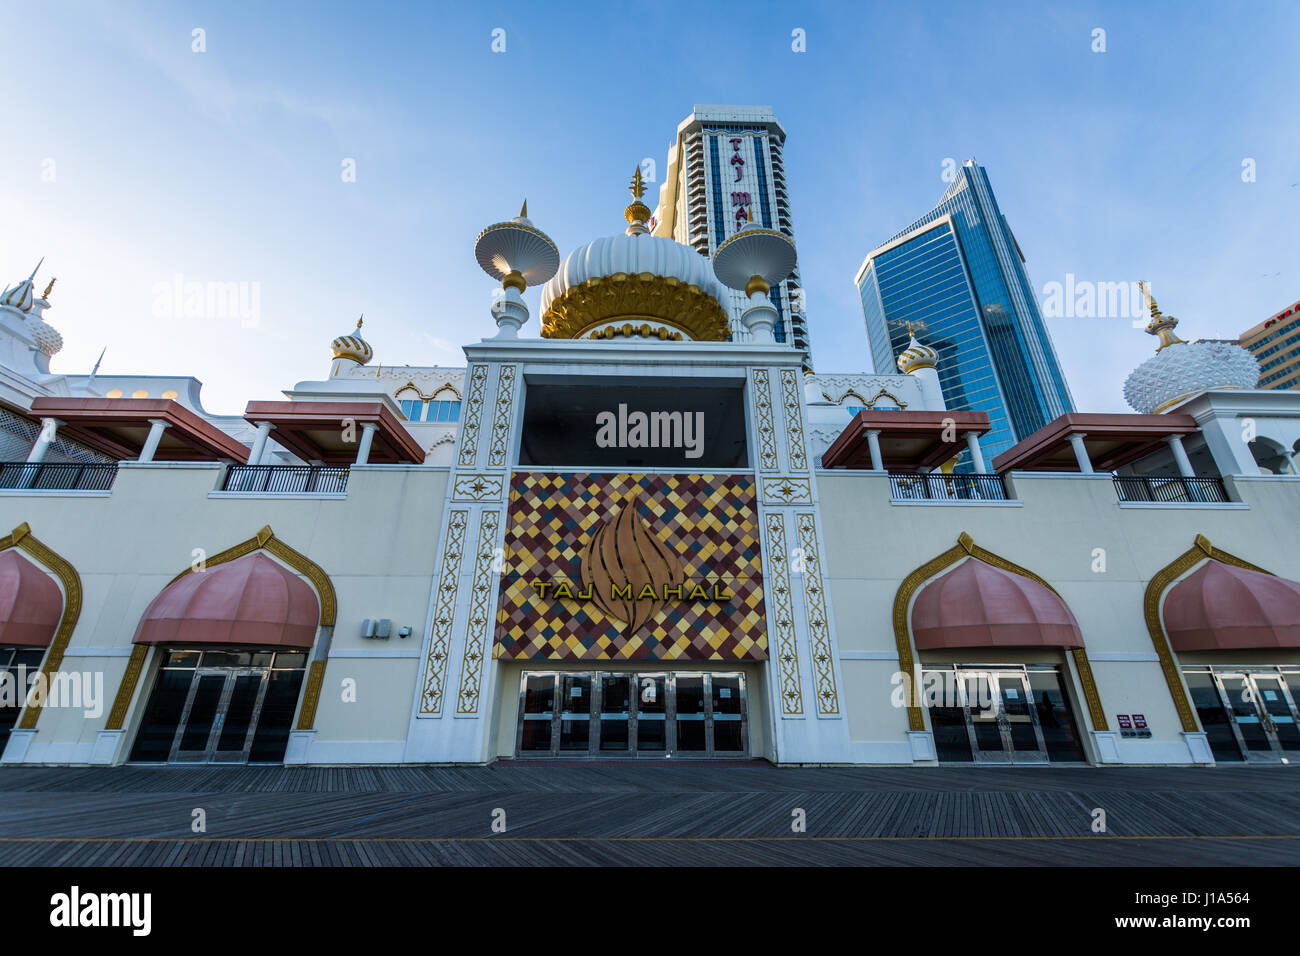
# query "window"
(413, 409)
(443, 412)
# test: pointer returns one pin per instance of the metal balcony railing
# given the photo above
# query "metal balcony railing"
(961, 487)
(287, 479)
(1171, 488)
(58, 476)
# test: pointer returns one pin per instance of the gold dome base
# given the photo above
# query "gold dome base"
(639, 296)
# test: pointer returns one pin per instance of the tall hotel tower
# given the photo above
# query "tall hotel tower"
(957, 277)
(724, 169)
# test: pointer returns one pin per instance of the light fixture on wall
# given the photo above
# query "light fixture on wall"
(377, 629)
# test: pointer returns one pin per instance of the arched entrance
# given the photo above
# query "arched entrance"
(233, 644)
(31, 607)
(993, 648)
(1233, 631)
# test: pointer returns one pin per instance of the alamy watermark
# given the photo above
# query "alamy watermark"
(624, 429)
(1084, 299)
(68, 689)
(179, 299)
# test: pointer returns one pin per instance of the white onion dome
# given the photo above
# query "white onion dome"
(22, 295)
(916, 356)
(353, 346)
(1180, 369)
(635, 284)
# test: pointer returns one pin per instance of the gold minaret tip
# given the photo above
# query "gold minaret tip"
(360, 320)
(1160, 324)
(523, 212)
(46, 294)
(638, 184)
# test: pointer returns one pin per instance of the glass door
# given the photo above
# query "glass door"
(1003, 724)
(651, 720)
(219, 719)
(573, 713)
(1262, 713)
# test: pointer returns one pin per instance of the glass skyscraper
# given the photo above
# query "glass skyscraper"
(958, 277)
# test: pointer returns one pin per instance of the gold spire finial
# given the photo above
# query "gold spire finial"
(637, 213)
(1150, 299)
(1159, 324)
(360, 320)
(910, 333)
(523, 212)
(49, 288)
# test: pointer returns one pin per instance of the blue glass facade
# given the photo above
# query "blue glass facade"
(963, 286)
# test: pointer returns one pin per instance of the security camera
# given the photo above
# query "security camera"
(403, 632)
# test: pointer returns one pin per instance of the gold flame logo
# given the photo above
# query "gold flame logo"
(624, 552)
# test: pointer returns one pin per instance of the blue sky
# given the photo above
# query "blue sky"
(224, 166)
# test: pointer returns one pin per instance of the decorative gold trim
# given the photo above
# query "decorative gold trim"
(964, 548)
(645, 330)
(429, 396)
(311, 695)
(473, 416)
(478, 488)
(787, 491)
(766, 428)
(476, 627)
(580, 308)
(126, 689)
(501, 420)
(23, 539)
(265, 540)
(792, 398)
(746, 233)
(819, 629)
(1201, 550)
(885, 393)
(444, 612)
(776, 561)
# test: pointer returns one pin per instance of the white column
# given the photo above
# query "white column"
(976, 453)
(1081, 452)
(49, 428)
(367, 437)
(156, 428)
(873, 443)
(1180, 456)
(259, 443)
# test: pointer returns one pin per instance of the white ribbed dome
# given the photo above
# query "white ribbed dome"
(1181, 369)
(632, 255)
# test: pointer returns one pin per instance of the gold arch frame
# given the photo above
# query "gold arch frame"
(264, 540)
(1201, 550)
(964, 548)
(23, 539)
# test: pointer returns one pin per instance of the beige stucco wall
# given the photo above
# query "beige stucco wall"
(377, 544)
(872, 544)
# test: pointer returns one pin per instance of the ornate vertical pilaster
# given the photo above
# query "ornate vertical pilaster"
(803, 676)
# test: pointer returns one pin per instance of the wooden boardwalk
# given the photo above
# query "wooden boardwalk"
(574, 813)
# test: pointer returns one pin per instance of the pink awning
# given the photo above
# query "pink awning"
(1223, 607)
(31, 604)
(250, 601)
(978, 605)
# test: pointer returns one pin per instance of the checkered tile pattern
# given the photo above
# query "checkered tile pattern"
(709, 521)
